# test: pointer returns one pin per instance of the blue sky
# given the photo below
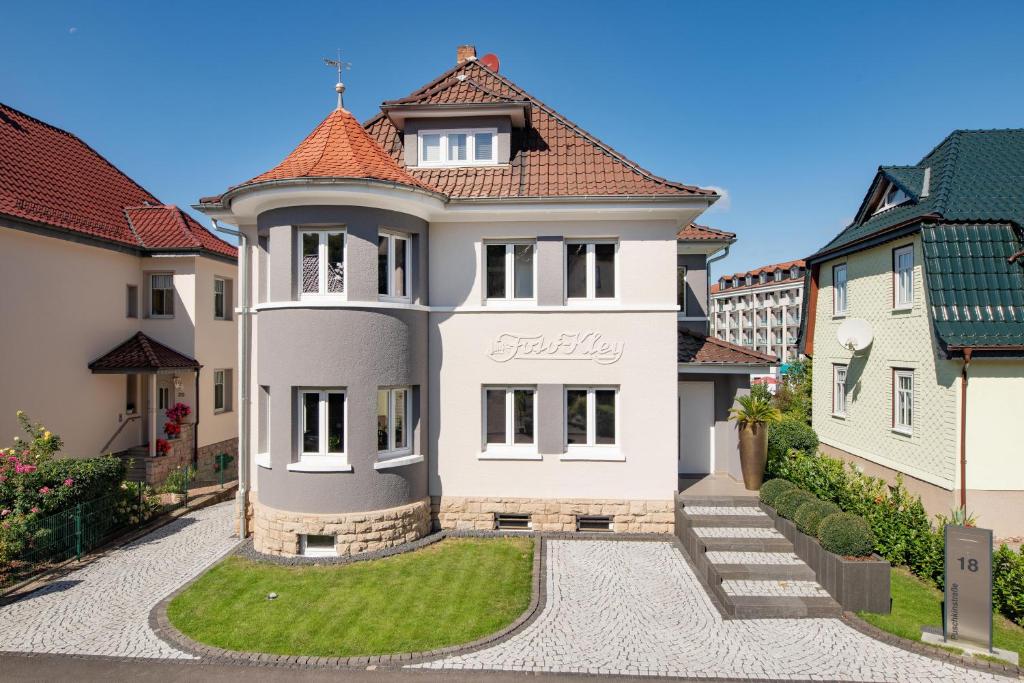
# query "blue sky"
(786, 107)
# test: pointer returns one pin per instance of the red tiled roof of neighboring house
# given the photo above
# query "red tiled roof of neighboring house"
(168, 227)
(51, 177)
(784, 267)
(141, 353)
(552, 157)
(697, 233)
(695, 347)
(339, 148)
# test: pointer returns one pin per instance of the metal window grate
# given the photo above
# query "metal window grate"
(512, 522)
(593, 523)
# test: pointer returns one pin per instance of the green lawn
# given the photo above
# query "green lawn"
(916, 604)
(452, 592)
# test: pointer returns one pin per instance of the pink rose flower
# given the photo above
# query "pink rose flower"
(35, 509)
(45, 490)
(4, 512)
(69, 482)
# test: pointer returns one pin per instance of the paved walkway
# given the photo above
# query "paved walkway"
(616, 607)
(103, 608)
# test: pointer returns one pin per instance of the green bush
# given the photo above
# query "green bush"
(790, 501)
(791, 431)
(846, 534)
(1008, 583)
(179, 479)
(809, 515)
(773, 488)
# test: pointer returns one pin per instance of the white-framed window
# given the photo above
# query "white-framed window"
(903, 401)
(321, 262)
(510, 417)
(590, 270)
(161, 295)
(131, 302)
(839, 294)
(322, 419)
(220, 298)
(681, 289)
(893, 196)
(458, 147)
(394, 406)
(163, 398)
(778, 276)
(222, 390)
(591, 416)
(838, 389)
(903, 276)
(394, 258)
(510, 271)
(317, 545)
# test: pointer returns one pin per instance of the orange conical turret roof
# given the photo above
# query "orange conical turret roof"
(340, 148)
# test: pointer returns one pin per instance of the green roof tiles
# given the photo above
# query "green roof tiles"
(976, 294)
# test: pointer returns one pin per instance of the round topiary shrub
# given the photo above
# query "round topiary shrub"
(846, 534)
(808, 517)
(791, 432)
(773, 488)
(789, 502)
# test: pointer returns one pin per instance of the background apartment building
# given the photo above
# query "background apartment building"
(760, 309)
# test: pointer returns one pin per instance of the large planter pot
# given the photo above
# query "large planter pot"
(753, 454)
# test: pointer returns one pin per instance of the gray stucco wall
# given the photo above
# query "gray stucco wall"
(413, 126)
(359, 350)
(696, 283)
(362, 225)
(550, 252)
(727, 388)
(550, 419)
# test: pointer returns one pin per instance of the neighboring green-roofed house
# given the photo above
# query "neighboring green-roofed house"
(929, 280)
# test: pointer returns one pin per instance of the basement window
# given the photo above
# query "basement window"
(314, 545)
(506, 521)
(594, 523)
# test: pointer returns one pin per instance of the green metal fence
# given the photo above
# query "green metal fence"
(75, 531)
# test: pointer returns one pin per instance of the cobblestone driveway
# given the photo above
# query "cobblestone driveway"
(618, 607)
(103, 608)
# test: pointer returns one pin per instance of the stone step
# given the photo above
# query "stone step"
(724, 557)
(736, 532)
(758, 545)
(767, 607)
(718, 501)
(776, 588)
(763, 521)
(762, 572)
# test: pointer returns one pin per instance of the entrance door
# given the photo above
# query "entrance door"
(696, 427)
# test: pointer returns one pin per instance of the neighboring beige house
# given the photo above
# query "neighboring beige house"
(929, 280)
(760, 309)
(115, 306)
(466, 313)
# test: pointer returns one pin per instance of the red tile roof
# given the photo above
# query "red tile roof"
(49, 176)
(695, 347)
(784, 267)
(339, 148)
(697, 233)
(552, 157)
(141, 353)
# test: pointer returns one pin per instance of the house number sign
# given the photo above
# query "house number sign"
(592, 346)
(968, 612)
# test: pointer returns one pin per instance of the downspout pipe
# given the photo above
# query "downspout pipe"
(244, 315)
(707, 276)
(963, 430)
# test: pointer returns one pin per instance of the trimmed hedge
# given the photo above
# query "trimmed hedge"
(48, 490)
(790, 501)
(845, 534)
(809, 516)
(773, 488)
(792, 431)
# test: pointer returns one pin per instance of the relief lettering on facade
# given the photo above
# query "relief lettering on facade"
(590, 345)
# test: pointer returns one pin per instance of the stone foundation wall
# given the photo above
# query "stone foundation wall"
(276, 532)
(628, 516)
(208, 460)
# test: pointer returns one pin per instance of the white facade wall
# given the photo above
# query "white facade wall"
(902, 339)
(216, 344)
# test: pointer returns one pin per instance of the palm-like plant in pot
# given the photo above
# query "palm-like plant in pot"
(752, 417)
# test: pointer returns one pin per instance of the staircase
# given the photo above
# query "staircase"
(133, 460)
(748, 565)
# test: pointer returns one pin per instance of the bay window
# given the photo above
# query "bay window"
(590, 416)
(394, 406)
(321, 263)
(510, 271)
(510, 417)
(458, 147)
(394, 255)
(590, 270)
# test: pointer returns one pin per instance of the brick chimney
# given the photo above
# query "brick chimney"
(465, 53)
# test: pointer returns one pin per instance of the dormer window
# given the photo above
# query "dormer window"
(893, 196)
(778, 275)
(763, 278)
(458, 147)
(748, 280)
(735, 282)
(794, 272)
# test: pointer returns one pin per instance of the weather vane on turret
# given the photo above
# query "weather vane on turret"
(340, 66)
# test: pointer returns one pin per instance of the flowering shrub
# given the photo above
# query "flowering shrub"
(136, 504)
(163, 446)
(172, 429)
(178, 412)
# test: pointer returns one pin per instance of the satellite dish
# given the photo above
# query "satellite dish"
(855, 334)
(490, 60)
